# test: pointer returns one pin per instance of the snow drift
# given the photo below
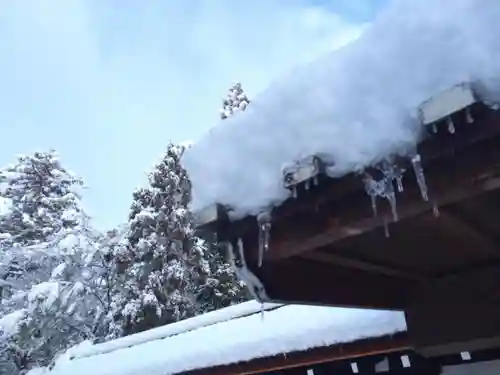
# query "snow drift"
(357, 104)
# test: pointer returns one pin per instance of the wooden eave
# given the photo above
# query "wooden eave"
(337, 352)
(328, 248)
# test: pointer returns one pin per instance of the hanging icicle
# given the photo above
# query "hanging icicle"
(386, 229)
(383, 188)
(237, 260)
(399, 182)
(434, 128)
(451, 126)
(391, 197)
(373, 198)
(373, 190)
(392, 172)
(435, 209)
(316, 180)
(416, 161)
(468, 116)
(264, 222)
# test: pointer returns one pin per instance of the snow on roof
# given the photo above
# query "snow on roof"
(230, 335)
(358, 104)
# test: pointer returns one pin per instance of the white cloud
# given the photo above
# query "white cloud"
(108, 84)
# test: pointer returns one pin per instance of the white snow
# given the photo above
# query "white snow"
(357, 104)
(197, 322)
(234, 334)
(5, 206)
(9, 323)
(45, 293)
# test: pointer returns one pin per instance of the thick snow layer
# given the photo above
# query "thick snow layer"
(197, 322)
(9, 323)
(357, 104)
(204, 342)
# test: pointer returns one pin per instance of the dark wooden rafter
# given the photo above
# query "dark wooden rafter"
(338, 260)
(456, 223)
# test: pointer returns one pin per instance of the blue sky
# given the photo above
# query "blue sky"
(109, 83)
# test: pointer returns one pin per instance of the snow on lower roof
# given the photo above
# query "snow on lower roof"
(357, 104)
(207, 343)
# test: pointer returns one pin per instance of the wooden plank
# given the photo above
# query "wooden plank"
(339, 352)
(338, 260)
(458, 225)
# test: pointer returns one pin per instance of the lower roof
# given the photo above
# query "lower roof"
(232, 335)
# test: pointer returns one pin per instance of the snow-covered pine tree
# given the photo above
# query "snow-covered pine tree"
(163, 257)
(235, 101)
(45, 256)
(43, 200)
(221, 288)
(41, 193)
(109, 279)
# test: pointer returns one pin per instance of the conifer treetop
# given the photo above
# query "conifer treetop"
(235, 101)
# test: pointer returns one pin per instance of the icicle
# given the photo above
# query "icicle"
(399, 181)
(468, 116)
(262, 311)
(371, 188)
(254, 285)
(261, 251)
(435, 209)
(434, 128)
(294, 191)
(385, 187)
(451, 126)
(392, 202)
(264, 222)
(386, 229)
(416, 161)
(391, 172)
(373, 197)
(307, 184)
(315, 180)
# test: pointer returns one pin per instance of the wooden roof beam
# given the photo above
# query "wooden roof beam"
(339, 260)
(459, 223)
(466, 177)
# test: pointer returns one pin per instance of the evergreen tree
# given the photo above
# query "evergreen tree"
(235, 101)
(163, 257)
(45, 257)
(221, 288)
(42, 198)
